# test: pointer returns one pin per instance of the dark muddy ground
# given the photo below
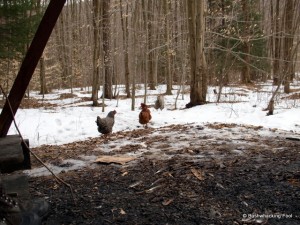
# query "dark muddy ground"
(252, 180)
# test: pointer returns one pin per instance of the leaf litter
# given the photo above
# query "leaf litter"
(221, 174)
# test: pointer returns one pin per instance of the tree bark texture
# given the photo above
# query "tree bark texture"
(124, 26)
(44, 89)
(96, 52)
(288, 45)
(245, 73)
(106, 50)
(197, 57)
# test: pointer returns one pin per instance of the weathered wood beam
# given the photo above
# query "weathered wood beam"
(29, 64)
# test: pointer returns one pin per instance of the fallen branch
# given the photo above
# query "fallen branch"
(293, 138)
(25, 144)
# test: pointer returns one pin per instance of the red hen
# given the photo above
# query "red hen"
(145, 115)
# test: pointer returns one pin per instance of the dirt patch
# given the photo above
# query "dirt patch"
(242, 178)
(292, 97)
(31, 103)
(67, 95)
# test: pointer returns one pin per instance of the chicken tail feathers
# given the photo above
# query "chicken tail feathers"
(98, 121)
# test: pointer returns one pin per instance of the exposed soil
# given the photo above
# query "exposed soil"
(32, 103)
(182, 175)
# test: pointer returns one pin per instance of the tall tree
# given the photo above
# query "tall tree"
(135, 25)
(65, 48)
(289, 51)
(146, 47)
(277, 44)
(245, 76)
(124, 25)
(105, 21)
(166, 6)
(43, 89)
(197, 58)
(151, 75)
(96, 52)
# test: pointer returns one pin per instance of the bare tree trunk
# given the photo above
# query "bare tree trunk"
(277, 46)
(124, 25)
(96, 53)
(136, 17)
(64, 57)
(245, 76)
(288, 44)
(133, 83)
(8, 67)
(167, 35)
(43, 89)
(289, 28)
(146, 48)
(271, 39)
(197, 57)
(151, 78)
(106, 49)
(70, 41)
(271, 104)
(223, 76)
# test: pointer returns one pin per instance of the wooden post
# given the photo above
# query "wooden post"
(29, 63)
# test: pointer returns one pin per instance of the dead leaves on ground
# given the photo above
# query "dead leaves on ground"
(198, 173)
(294, 96)
(218, 126)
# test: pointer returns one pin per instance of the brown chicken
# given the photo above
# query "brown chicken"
(145, 115)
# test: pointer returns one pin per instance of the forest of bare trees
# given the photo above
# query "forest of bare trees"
(101, 45)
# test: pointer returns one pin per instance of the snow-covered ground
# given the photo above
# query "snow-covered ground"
(74, 120)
